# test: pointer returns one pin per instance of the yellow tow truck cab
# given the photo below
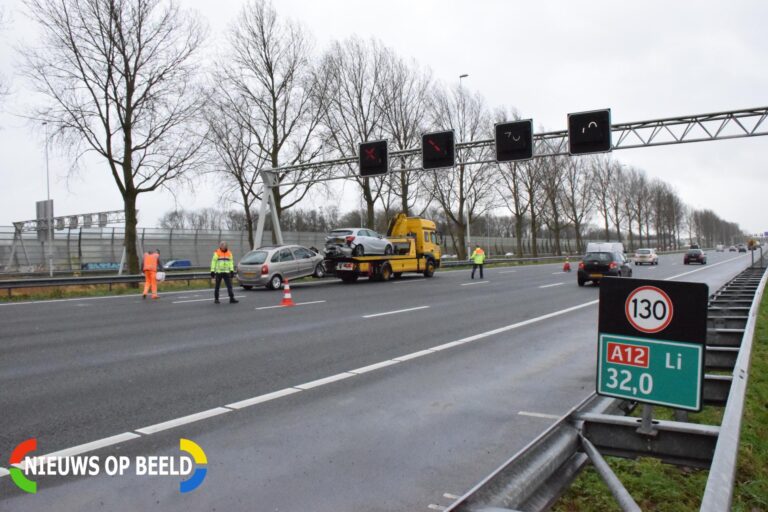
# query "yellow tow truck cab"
(415, 249)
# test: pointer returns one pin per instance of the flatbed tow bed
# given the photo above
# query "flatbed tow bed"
(414, 250)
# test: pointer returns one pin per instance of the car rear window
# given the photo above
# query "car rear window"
(598, 256)
(340, 232)
(694, 252)
(254, 258)
(643, 251)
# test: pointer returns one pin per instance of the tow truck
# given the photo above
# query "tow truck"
(415, 249)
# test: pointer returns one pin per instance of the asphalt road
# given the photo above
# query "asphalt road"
(428, 419)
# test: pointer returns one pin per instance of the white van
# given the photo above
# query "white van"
(611, 247)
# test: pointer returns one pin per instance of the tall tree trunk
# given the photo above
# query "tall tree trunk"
(519, 235)
(131, 221)
(404, 192)
(370, 205)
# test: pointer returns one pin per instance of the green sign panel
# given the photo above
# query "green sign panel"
(650, 370)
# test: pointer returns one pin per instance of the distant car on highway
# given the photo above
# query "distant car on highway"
(271, 265)
(695, 246)
(174, 264)
(732, 248)
(646, 256)
(695, 256)
(720, 248)
(742, 248)
(357, 242)
(596, 265)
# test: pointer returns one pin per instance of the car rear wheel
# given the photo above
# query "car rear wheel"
(581, 282)
(388, 250)
(319, 271)
(247, 287)
(359, 250)
(276, 282)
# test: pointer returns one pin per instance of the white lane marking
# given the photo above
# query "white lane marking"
(432, 506)
(372, 367)
(555, 273)
(478, 282)
(72, 299)
(295, 304)
(158, 427)
(703, 267)
(374, 315)
(551, 285)
(262, 398)
(411, 280)
(4, 472)
(507, 271)
(413, 355)
(82, 448)
(319, 382)
(539, 415)
(326, 380)
(450, 496)
(200, 300)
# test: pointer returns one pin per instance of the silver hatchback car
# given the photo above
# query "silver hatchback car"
(270, 266)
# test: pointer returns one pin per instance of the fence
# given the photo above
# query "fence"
(102, 248)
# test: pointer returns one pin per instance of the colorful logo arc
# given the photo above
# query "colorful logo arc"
(198, 455)
(17, 475)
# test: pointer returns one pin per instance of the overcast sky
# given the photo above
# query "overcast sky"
(644, 60)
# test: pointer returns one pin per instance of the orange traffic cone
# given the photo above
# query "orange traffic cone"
(287, 300)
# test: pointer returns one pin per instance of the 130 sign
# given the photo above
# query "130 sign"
(649, 309)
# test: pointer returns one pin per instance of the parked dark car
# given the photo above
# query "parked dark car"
(695, 256)
(596, 265)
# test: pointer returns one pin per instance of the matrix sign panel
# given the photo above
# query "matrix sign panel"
(437, 150)
(589, 132)
(373, 158)
(651, 337)
(514, 141)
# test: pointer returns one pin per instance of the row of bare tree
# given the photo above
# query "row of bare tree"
(127, 79)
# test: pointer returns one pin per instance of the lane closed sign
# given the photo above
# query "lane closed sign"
(651, 338)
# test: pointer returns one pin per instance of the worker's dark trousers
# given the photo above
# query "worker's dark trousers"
(476, 266)
(227, 281)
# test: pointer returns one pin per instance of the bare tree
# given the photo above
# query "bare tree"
(404, 104)
(552, 176)
(578, 196)
(271, 81)
(603, 174)
(467, 190)
(119, 76)
(4, 87)
(512, 193)
(354, 70)
(234, 153)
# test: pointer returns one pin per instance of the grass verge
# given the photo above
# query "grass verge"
(662, 487)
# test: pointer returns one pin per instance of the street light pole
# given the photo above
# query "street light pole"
(463, 181)
(48, 197)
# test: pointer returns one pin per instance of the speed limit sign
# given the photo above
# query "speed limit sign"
(649, 309)
(651, 337)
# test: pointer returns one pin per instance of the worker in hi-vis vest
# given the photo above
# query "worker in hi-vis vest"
(478, 258)
(150, 266)
(223, 267)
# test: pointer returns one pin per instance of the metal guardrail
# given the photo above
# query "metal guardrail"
(94, 280)
(536, 476)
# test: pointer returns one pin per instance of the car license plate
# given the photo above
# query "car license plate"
(345, 266)
(249, 274)
(595, 275)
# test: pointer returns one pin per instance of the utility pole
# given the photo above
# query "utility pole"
(48, 197)
(465, 185)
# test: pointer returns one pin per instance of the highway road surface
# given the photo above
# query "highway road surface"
(364, 397)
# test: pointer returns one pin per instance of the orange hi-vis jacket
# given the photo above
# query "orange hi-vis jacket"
(151, 261)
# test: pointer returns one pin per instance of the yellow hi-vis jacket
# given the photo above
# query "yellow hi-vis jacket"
(222, 262)
(478, 256)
